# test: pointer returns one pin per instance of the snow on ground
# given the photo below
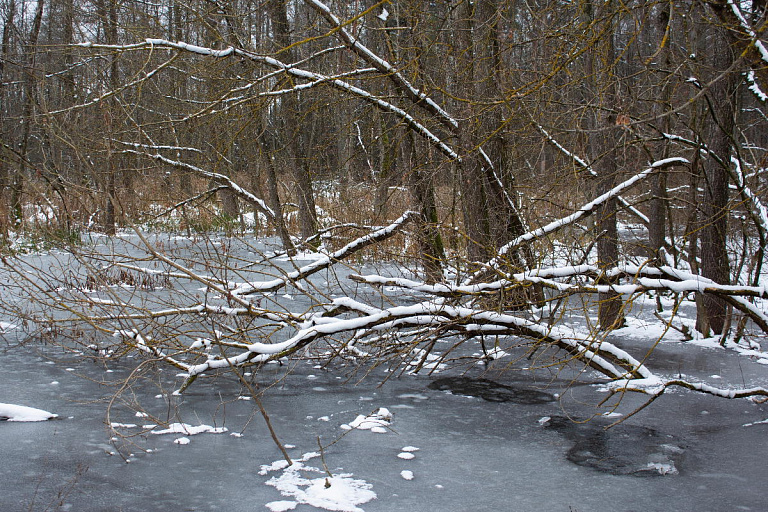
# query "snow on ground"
(647, 330)
(11, 412)
(304, 256)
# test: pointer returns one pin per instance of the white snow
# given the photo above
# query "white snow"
(304, 256)
(407, 475)
(6, 326)
(181, 440)
(281, 506)
(190, 430)
(406, 455)
(409, 449)
(338, 492)
(375, 422)
(11, 412)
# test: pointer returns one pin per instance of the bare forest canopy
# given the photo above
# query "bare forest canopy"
(496, 148)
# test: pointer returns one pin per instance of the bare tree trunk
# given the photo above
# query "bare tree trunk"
(109, 12)
(490, 216)
(658, 206)
(603, 143)
(714, 254)
(274, 200)
(289, 113)
(30, 90)
(432, 251)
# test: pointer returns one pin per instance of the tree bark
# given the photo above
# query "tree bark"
(604, 139)
(289, 114)
(714, 254)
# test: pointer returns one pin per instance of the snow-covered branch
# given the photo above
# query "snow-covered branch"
(328, 260)
(123, 87)
(755, 39)
(294, 71)
(221, 178)
(586, 210)
(415, 95)
(656, 386)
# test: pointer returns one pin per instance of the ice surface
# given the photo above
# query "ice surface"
(468, 447)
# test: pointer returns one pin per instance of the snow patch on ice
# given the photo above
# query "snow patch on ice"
(11, 412)
(375, 422)
(281, 506)
(663, 468)
(115, 424)
(190, 430)
(413, 396)
(337, 493)
(407, 475)
(427, 360)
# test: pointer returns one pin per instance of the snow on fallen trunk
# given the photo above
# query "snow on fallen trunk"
(11, 412)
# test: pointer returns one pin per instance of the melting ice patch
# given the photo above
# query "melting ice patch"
(338, 492)
(11, 412)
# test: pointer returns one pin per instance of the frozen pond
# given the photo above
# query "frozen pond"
(473, 454)
(455, 440)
